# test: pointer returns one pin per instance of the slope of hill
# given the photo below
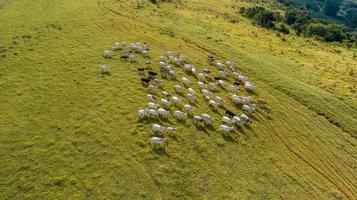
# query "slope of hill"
(69, 133)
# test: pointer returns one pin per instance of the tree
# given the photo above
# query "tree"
(331, 7)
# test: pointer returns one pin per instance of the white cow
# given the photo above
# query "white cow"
(207, 119)
(153, 113)
(165, 94)
(191, 91)
(153, 105)
(245, 119)
(180, 115)
(227, 120)
(191, 98)
(202, 85)
(176, 99)
(185, 81)
(159, 141)
(206, 92)
(151, 97)
(158, 128)
(219, 100)
(213, 104)
(163, 112)
(165, 102)
(171, 130)
(201, 77)
(225, 128)
(197, 119)
(249, 85)
(178, 89)
(107, 54)
(212, 86)
(237, 120)
(222, 74)
(250, 109)
(152, 88)
(188, 108)
(143, 113)
(220, 83)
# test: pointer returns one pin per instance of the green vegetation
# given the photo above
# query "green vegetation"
(69, 133)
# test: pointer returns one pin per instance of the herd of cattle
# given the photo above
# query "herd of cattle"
(162, 104)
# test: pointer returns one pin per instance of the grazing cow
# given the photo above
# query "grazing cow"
(162, 58)
(201, 77)
(152, 89)
(165, 94)
(117, 46)
(188, 67)
(249, 85)
(219, 100)
(220, 83)
(222, 74)
(164, 72)
(220, 65)
(229, 113)
(213, 104)
(237, 120)
(176, 100)
(180, 115)
(206, 92)
(210, 59)
(241, 78)
(153, 113)
(143, 113)
(245, 119)
(227, 120)
(191, 98)
(158, 128)
(124, 57)
(107, 54)
(191, 91)
(165, 102)
(145, 53)
(158, 82)
(132, 58)
(202, 85)
(207, 98)
(153, 105)
(171, 130)
(162, 64)
(152, 73)
(207, 119)
(151, 97)
(197, 120)
(185, 81)
(162, 112)
(206, 71)
(232, 88)
(237, 84)
(148, 63)
(188, 108)
(141, 70)
(105, 69)
(225, 128)
(235, 75)
(250, 109)
(178, 89)
(145, 80)
(157, 141)
(232, 66)
(212, 86)
(173, 73)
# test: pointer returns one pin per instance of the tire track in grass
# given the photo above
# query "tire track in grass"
(299, 155)
(336, 174)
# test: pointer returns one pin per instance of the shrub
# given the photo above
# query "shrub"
(329, 32)
(261, 16)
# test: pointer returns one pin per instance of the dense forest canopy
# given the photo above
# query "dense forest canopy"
(341, 11)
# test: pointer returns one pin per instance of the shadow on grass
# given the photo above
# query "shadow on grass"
(160, 151)
(229, 138)
(202, 129)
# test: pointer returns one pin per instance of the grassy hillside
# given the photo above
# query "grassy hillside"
(69, 133)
